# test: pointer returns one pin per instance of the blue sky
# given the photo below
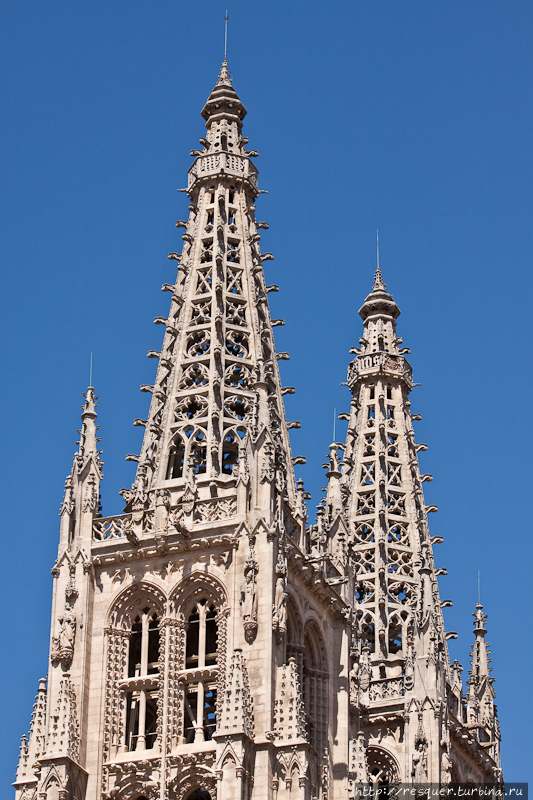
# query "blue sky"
(414, 118)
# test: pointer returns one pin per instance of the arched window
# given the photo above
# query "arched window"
(230, 453)
(199, 794)
(176, 459)
(200, 695)
(314, 690)
(199, 454)
(142, 686)
(395, 635)
(382, 769)
(230, 450)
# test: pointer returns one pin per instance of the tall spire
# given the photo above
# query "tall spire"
(217, 385)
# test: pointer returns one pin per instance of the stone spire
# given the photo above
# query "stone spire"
(217, 388)
(33, 746)
(381, 486)
(481, 709)
(81, 497)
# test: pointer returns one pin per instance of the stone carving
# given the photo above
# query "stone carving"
(63, 644)
(279, 610)
(419, 770)
(445, 768)
(71, 591)
(249, 594)
(90, 502)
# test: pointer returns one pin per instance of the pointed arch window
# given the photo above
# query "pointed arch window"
(141, 684)
(230, 450)
(199, 453)
(200, 694)
(176, 459)
(315, 682)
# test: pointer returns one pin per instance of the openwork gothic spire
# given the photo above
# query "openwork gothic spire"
(217, 384)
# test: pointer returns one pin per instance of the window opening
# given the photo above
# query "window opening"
(230, 453)
(198, 794)
(368, 635)
(372, 393)
(233, 252)
(210, 217)
(200, 653)
(395, 637)
(143, 662)
(389, 393)
(200, 712)
(199, 454)
(176, 460)
(231, 196)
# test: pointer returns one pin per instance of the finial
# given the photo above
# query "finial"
(378, 277)
(91, 371)
(223, 75)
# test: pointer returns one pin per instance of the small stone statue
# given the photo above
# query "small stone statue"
(63, 644)
(419, 771)
(249, 598)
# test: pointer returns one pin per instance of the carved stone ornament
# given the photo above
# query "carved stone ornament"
(249, 595)
(71, 591)
(279, 609)
(90, 502)
(188, 499)
(63, 644)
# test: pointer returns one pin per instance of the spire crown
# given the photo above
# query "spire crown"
(223, 102)
(480, 619)
(379, 302)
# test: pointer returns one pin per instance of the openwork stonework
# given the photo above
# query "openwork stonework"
(210, 644)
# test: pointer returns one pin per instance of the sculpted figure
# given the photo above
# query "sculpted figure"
(249, 598)
(419, 771)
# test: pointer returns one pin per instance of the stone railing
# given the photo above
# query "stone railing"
(229, 163)
(124, 526)
(111, 527)
(379, 363)
(216, 509)
(121, 526)
(384, 689)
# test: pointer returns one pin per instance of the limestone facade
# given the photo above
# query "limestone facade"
(208, 642)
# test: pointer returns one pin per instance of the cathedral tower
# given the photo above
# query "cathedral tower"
(207, 643)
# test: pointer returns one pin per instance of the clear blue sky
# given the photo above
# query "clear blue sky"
(413, 117)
